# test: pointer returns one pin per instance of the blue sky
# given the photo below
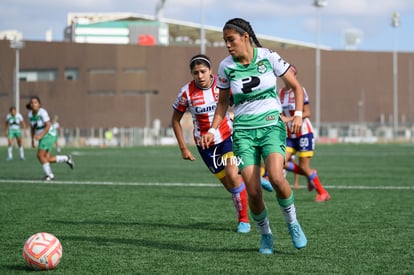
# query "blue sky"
(291, 19)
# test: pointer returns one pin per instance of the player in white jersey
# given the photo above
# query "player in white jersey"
(56, 126)
(301, 142)
(15, 127)
(43, 132)
(259, 132)
(200, 96)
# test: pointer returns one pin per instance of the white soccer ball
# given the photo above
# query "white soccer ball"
(42, 251)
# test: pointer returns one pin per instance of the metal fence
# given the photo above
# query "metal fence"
(127, 137)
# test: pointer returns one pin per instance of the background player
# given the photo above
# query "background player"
(200, 96)
(43, 132)
(15, 127)
(56, 125)
(302, 142)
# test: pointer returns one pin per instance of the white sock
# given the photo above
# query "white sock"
(262, 222)
(61, 158)
(264, 226)
(10, 152)
(47, 169)
(289, 213)
(21, 150)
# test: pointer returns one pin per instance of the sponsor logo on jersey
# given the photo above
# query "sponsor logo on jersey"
(223, 80)
(182, 100)
(205, 109)
(280, 60)
(271, 117)
(216, 93)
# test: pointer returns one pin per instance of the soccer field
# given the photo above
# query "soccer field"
(145, 210)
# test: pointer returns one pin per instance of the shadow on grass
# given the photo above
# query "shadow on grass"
(188, 226)
(162, 244)
(18, 267)
(155, 244)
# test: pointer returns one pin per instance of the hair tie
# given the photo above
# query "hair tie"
(235, 27)
(200, 58)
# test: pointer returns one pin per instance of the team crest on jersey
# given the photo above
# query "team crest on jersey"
(261, 67)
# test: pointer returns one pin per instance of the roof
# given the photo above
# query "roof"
(184, 29)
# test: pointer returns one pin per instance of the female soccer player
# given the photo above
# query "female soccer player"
(259, 132)
(200, 96)
(14, 126)
(43, 132)
(302, 141)
(56, 125)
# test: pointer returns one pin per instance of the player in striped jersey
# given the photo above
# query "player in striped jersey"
(302, 142)
(43, 132)
(14, 126)
(200, 96)
(259, 132)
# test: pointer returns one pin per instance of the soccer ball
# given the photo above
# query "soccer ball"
(42, 251)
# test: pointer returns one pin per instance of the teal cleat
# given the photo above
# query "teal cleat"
(244, 227)
(266, 244)
(266, 185)
(298, 237)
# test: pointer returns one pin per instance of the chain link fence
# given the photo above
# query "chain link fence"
(127, 137)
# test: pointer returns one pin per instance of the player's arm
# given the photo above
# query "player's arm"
(306, 111)
(178, 131)
(290, 78)
(6, 129)
(44, 132)
(32, 133)
(221, 109)
(23, 125)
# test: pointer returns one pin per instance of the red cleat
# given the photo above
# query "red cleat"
(323, 197)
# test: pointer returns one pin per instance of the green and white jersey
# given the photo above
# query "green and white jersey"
(38, 122)
(14, 122)
(253, 88)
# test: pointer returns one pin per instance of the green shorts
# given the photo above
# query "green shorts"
(251, 145)
(15, 133)
(46, 143)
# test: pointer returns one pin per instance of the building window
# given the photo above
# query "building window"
(71, 74)
(38, 75)
(102, 71)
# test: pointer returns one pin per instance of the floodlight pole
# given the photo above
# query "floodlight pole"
(17, 44)
(318, 4)
(148, 106)
(395, 22)
(202, 29)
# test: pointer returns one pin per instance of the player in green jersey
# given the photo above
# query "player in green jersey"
(259, 132)
(15, 127)
(43, 132)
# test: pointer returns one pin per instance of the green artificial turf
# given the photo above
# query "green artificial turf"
(145, 210)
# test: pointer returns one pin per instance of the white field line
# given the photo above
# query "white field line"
(391, 187)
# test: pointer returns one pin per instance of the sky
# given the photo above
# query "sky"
(288, 19)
